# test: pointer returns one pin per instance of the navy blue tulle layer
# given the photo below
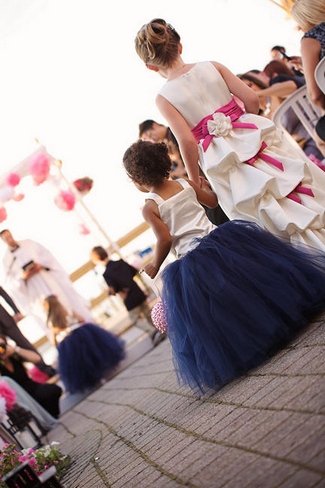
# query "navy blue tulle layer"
(240, 295)
(86, 355)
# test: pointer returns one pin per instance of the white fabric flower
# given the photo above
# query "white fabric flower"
(220, 125)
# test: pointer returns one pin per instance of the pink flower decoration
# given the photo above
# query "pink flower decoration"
(83, 185)
(8, 394)
(39, 168)
(65, 200)
(158, 317)
(18, 197)
(83, 229)
(13, 179)
(3, 214)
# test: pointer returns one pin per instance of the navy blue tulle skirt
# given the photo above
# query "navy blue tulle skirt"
(86, 355)
(235, 299)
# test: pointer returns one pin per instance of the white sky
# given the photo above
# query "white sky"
(70, 77)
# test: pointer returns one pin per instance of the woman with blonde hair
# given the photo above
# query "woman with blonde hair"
(309, 16)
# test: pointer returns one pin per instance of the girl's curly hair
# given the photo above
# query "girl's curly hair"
(147, 163)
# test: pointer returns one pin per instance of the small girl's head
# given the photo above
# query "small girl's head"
(157, 43)
(147, 163)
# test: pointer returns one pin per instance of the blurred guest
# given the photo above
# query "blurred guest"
(45, 420)
(309, 16)
(279, 53)
(12, 360)
(257, 85)
(9, 327)
(119, 277)
(87, 352)
(33, 273)
(283, 82)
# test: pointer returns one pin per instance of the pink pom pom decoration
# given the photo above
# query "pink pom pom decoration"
(19, 197)
(8, 394)
(83, 230)
(39, 168)
(3, 214)
(13, 179)
(65, 200)
(158, 317)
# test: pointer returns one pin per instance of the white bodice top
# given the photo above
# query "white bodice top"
(237, 162)
(184, 216)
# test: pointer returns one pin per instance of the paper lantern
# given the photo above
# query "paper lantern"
(83, 230)
(3, 214)
(13, 179)
(39, 168)
(65, 200)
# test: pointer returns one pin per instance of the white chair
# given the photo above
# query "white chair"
(320, 74)
(300, 104)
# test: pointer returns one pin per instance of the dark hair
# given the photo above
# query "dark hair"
(57, 314)
(147, 163)
(100, 252)
(278, 67)
(253, 79)
(145, 125)
(281, 49)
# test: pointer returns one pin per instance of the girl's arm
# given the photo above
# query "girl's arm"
(310, 51)
(54, 331)
(204, 193)
(186, 141)
(164, 239)
(238, 88)
(78, 317)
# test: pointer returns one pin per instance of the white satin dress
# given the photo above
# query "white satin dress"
(284, 192)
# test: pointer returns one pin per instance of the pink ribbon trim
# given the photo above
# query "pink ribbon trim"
(265, 157)
(232, 110)
(300, 189)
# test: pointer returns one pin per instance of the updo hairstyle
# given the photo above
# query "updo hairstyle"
(157, 43)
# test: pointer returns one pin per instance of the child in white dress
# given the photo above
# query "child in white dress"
(256, 173)
(86, 352)
(236, 293)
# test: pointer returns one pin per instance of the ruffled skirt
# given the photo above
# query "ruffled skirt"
(236, 298)
(86, 355)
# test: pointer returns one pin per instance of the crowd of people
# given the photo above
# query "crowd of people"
(38, 287)
(240, 207)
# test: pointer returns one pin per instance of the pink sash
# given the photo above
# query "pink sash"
(232, 110)
(300, 189)
(265, 157)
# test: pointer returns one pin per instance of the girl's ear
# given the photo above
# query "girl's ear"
(152, 67)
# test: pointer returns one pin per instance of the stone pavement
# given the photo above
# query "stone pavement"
(141, 429)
